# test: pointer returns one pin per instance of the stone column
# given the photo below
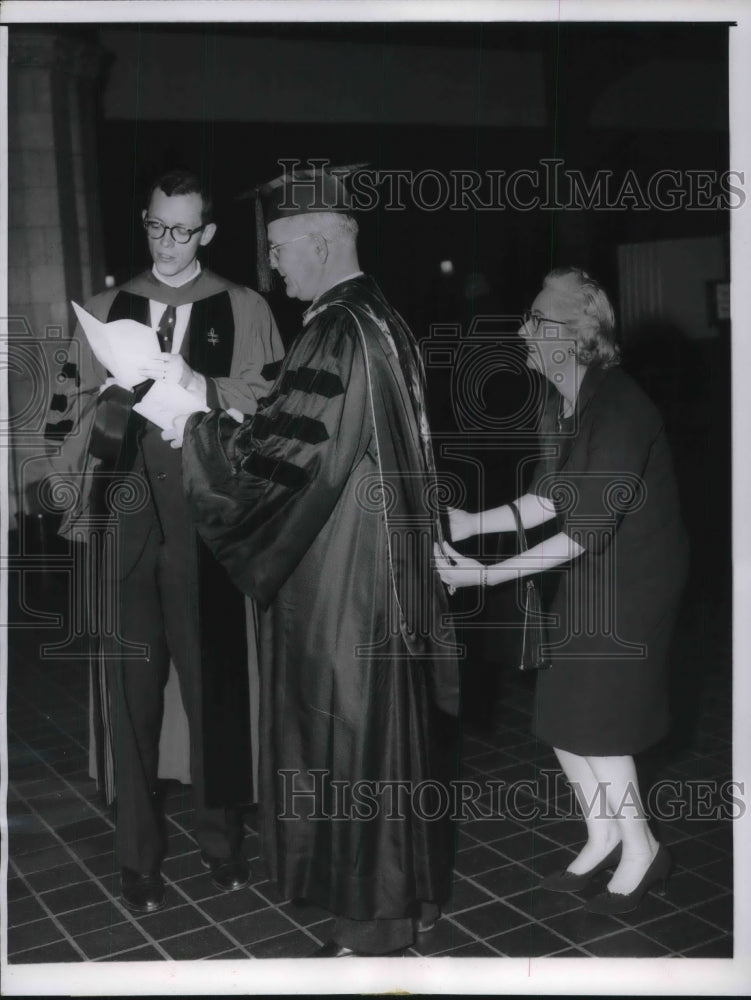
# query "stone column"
(54, 224)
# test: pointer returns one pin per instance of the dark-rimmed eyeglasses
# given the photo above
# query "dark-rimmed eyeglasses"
(533, 320)
(180, 234)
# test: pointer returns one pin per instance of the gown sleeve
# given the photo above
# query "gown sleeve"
(257, 347)
(261, 491)
(74, 396)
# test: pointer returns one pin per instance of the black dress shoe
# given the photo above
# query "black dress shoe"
(227, 873)
(614, 903)
(141, 893)
(566, 881)
(332, 949)
(425, 923)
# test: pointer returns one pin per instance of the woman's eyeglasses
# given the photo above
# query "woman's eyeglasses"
(533, 320)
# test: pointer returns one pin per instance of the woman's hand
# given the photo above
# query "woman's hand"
(457, 570)
(463, 525)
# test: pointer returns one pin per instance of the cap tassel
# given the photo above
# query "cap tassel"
(263, 270)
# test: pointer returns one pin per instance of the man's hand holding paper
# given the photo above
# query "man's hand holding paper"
(174, 370)
(174, 434)
(165, 404)
(130, 353)
(170, 368)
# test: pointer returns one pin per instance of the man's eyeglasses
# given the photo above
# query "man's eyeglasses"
(180, 234)
(533, 320)
(275, 247)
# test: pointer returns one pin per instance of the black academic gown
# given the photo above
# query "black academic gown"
(358, 667)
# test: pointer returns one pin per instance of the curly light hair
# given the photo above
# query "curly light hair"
(594, 324)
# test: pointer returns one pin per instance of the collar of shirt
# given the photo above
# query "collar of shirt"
(183, 280)
(313, 307)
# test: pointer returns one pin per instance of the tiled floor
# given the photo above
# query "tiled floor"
(63, 889)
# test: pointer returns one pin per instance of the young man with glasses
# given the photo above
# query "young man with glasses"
(174, 602)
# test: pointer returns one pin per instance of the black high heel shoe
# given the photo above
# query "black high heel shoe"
(566, 881)
(613, 903)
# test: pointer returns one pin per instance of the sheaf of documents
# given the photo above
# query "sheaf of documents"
(123, 347)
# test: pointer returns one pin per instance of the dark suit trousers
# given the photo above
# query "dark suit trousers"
(158, 602)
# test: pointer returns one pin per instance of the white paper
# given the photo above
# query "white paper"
(122, 347)
(166, 402)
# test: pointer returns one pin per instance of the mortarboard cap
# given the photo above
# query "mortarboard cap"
(297, 191)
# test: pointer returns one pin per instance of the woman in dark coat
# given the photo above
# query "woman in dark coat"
(607, 479)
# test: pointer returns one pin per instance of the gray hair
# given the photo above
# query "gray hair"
(594, 326)
(333, 226)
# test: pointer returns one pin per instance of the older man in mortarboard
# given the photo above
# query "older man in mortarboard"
(321, 507)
